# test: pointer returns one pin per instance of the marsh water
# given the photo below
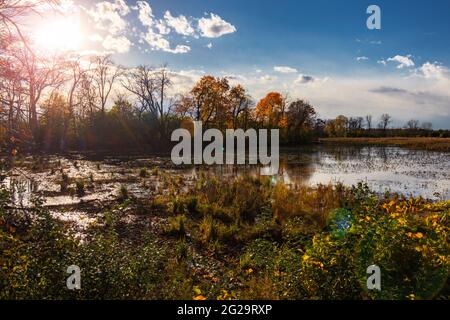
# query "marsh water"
(383, 168)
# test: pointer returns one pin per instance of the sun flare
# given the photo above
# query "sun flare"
(59, 35)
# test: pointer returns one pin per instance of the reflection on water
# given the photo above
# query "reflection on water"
(410, 172)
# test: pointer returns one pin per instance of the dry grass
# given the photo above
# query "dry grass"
(431, 144)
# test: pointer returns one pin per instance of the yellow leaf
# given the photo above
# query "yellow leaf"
(197, 290)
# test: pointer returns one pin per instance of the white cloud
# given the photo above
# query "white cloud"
(119, 44)
(157, 29)
(180, 24)
(113, 30)
(285, 69)
(122, 7)
(109, 16)
(65, 6)
(266, 79)
(382, 61)
(145, 13)
(95, 37)
(158, 42)
(181, 49)
(434, 71)
(184, 80)
(209, 45)
(362, 58)
(162, 27)
(403, 61)
(215, 26)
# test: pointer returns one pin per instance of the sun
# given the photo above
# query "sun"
(59, 35)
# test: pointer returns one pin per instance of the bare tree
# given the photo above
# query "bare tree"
(86, 96)
(412, 124)
(12, 99)
(12, 12)
(141, 83)
(105, 74)
(75, 73)
(39, 74)
(385, 121)
(150, 88)
(240, 102)
(355, 123)
(163, 83)
(369, 122)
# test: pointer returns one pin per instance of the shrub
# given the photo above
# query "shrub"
(208, 230)
(143, 173)
(80, 187)
(176, 227)
(64, 182)
(123, 193)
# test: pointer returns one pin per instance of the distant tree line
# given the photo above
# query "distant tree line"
(367, 126)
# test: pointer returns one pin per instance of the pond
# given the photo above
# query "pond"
(409, 172)
(383, 168)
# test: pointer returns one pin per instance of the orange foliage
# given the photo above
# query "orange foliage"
(270, 111)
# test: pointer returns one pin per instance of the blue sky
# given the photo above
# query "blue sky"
(318, 50)
(320, 35)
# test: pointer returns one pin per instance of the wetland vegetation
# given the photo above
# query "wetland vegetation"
(133, 223)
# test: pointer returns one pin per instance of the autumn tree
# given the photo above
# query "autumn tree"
(337, 127)
(55, 116)
(301, 118)
(210, 101)
(183, 106)
(270, 111)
